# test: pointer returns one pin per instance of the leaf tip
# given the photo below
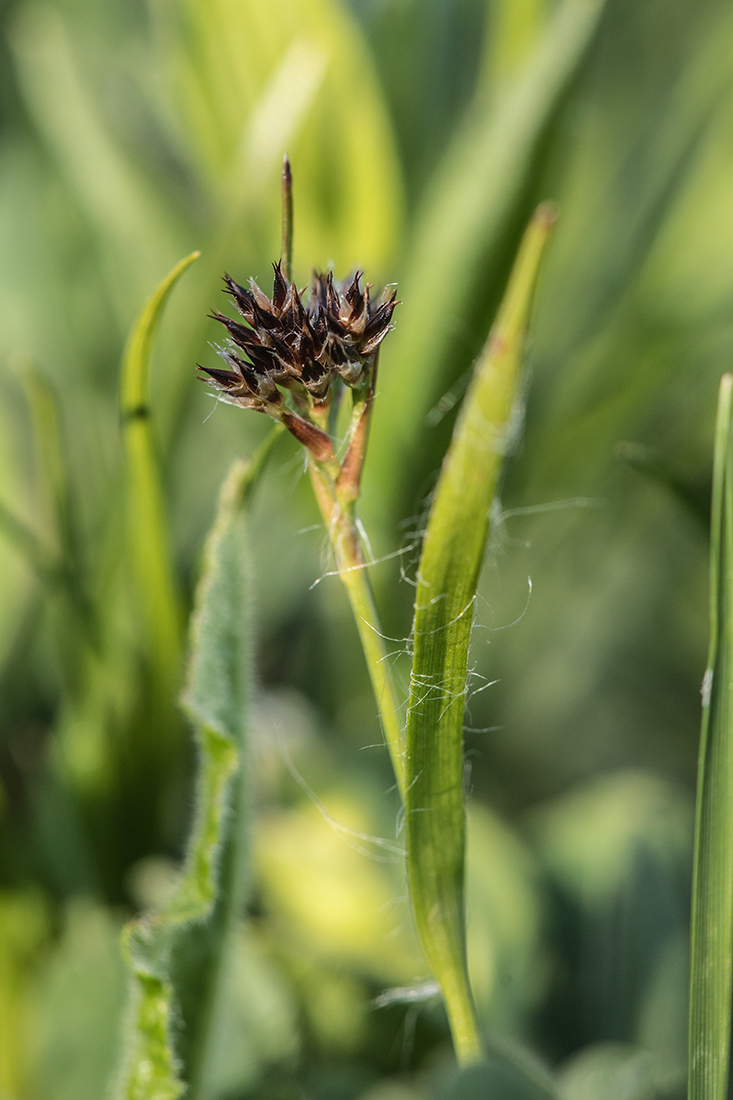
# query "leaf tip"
(546, 215)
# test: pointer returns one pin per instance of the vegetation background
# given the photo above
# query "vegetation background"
(421, 135)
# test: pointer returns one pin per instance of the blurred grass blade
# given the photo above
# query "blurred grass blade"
(53, 470)
(711, 975)
(60, 564)
(135, 229)
(147, 528)
(29, 545)
(450, 563)
(43, 405)
(461, 232)
(651, 463)
(513, 28)
(178, 957)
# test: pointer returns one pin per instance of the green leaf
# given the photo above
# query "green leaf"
(460, 230)
(619, 1071)
(178, 957)
(501, 1078)
(450, 563)
(60, 565)
(54, 473)
(147, 527)
(256, 80)
(135, 230)
(28, 544)
(711, 975)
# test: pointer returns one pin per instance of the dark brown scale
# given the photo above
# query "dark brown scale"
(245, 338)
(264, 318)
(243, 298)
(225, 378)
(279, 288)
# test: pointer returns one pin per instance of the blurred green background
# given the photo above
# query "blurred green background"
(421, 134)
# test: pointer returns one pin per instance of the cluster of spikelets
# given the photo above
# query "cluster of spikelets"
(286, 344)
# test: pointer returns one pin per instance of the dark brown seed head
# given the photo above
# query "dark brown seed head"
(290, 344)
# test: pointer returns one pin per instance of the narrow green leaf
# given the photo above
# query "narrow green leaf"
(28, 544)
(59, 565)
(459, 230)
(650, 462)
(53, 469)
(135, 230)
(452, 553)
(711, 975)
(178, 957)
(147, 528)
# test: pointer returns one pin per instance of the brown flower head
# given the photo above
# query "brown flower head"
(287, 344)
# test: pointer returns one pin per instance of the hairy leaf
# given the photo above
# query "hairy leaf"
(177, 957)
(450, 563)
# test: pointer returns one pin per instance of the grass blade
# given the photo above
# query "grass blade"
(53, 469)
(177, 958)
(20, 535)
(461, 230)
(147, 528)
(711, 975)
(448, 573)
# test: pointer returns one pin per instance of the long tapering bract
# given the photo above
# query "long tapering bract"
(147, 528)
(711, 972)
(450, 563)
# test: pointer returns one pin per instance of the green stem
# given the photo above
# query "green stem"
(344, 537)
(287, 226)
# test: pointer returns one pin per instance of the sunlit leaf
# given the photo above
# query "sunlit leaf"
(255, 81)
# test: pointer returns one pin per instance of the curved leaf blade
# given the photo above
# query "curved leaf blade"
(450, 563)
(147, 527)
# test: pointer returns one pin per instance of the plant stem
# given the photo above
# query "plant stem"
(340, 523)
(287, 225)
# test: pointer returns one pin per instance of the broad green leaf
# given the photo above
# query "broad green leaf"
(147, 528)
(711, 974)
(178, 957)
(450, 563)
(460, 233)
